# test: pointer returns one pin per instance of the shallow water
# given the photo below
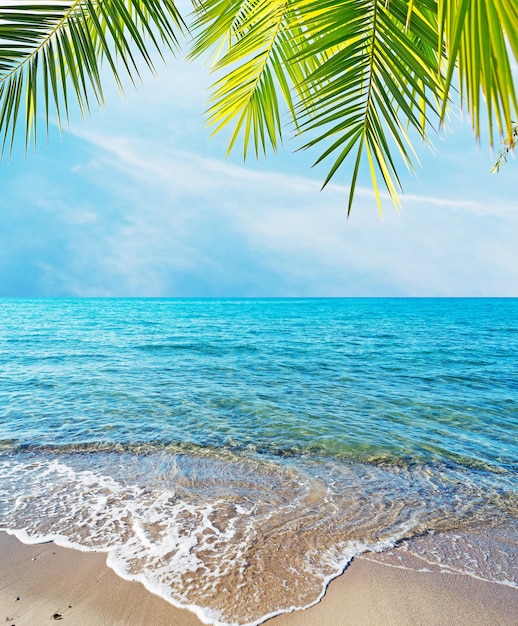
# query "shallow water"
(235, 455)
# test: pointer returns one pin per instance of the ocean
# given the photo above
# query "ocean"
(235, 455)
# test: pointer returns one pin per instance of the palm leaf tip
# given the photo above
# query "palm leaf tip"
(509, 146)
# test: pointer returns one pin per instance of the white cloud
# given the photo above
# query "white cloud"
(185, 213)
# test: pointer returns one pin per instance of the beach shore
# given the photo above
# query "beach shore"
(40, 584)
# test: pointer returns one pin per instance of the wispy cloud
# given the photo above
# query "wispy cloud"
(143, 159)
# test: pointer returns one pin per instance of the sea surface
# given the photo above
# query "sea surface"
(234, 455)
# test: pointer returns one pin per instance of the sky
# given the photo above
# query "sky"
(139, 200)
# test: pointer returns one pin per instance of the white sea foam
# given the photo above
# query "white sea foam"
(225, 539)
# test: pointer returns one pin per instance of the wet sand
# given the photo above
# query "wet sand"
(41, 584)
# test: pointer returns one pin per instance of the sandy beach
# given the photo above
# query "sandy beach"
(40, 584)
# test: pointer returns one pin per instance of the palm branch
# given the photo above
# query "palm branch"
(52, 51)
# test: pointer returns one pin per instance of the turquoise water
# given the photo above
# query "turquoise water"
(209, 444)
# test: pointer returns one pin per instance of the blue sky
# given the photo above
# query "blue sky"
(139, 201)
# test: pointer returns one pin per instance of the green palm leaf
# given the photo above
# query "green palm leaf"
(52, 51)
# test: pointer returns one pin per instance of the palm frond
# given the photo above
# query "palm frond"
(480, 37)
(380, 78)
(353, 73)
(255, 42)
(51, 52)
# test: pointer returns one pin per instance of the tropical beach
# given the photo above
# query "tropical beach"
(235, 393)
(236, 456)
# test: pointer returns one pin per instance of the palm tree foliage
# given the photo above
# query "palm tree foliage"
(356, 79)
(57, 48)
